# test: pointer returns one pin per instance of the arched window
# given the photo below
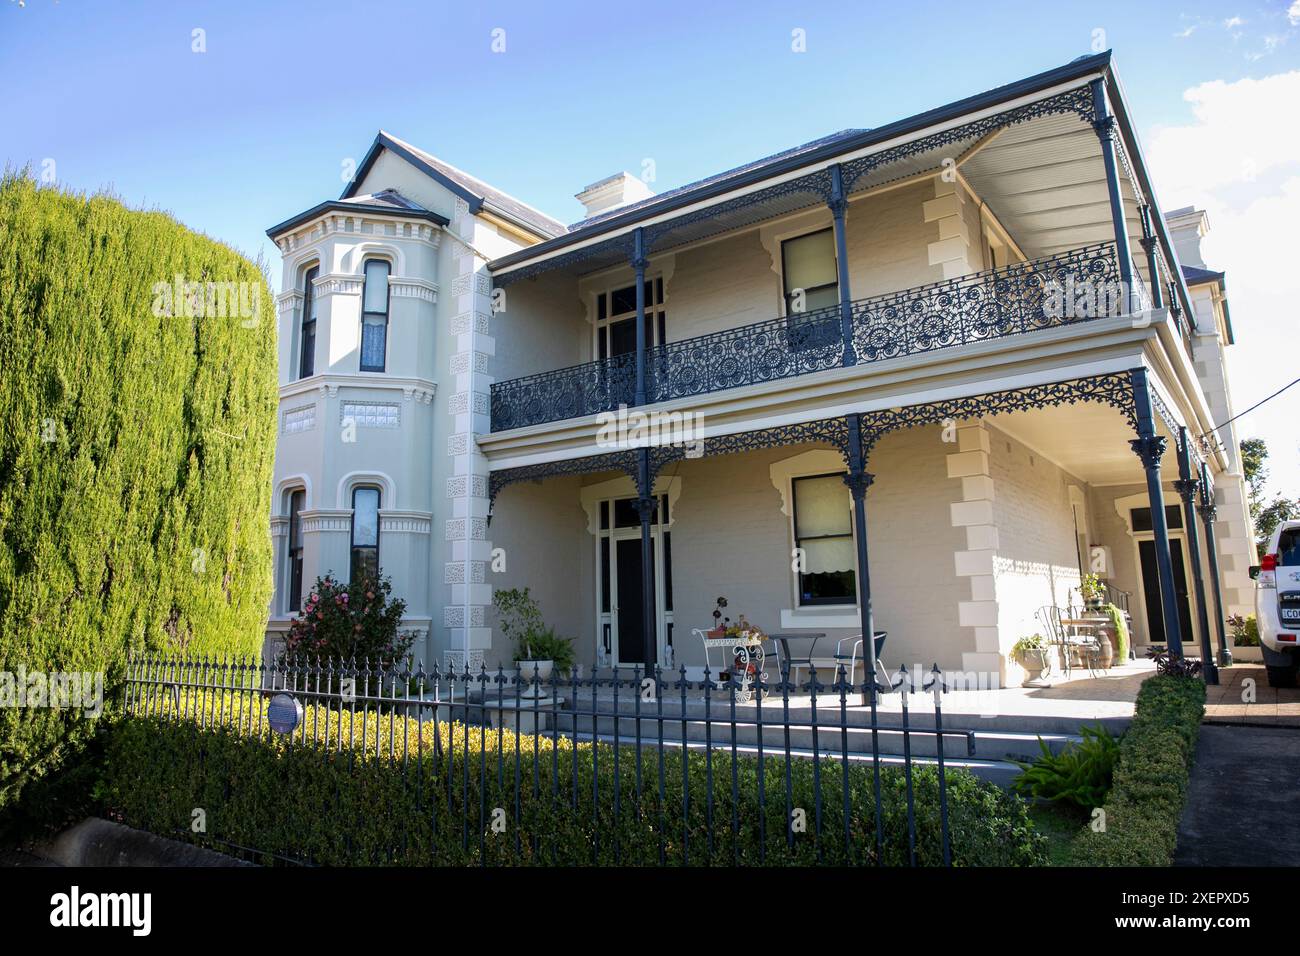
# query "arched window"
(365, 532)
(307, 348)
(374, 316)
(297, 500)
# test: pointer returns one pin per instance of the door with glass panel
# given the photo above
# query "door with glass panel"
(616, 338)
(620, 617)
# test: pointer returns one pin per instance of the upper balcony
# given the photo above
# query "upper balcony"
(992, 304)
(1018, 211)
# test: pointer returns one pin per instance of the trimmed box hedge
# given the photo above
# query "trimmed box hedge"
(1150, 781)
(343, 799)
(137, 434)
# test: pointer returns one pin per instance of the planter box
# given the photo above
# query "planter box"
(1249, 655)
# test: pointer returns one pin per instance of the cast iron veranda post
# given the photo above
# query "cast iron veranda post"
(1104, 123)
(1208, 511)
(1186, 486)
(839, 205)
(1150, 447)
(639, 264)
(1149, 244)
(645, 506)
(859, 480)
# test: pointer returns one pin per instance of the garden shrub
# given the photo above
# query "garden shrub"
(341, 797)
(136, 449)
(357, 620)
(1150, 780)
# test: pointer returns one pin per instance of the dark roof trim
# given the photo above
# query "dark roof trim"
(476, 202)
(1119, 107)
(1083, 66)
(335, 205)
(1196, 275)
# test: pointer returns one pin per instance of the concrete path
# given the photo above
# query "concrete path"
(1236, 701)
(1241, 803)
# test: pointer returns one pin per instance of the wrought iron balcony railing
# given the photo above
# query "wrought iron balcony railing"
(1043, 293)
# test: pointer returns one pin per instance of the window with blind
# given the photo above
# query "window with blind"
(307, 336)
(811, 286)
(365, 533)
(823, 531)
(374, 316)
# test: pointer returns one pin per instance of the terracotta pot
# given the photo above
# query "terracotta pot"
(1106, 655)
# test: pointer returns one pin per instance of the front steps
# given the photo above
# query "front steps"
(987, 745)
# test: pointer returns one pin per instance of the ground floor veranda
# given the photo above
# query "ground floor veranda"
(979, 513)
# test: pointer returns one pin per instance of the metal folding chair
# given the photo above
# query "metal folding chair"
(855, 643)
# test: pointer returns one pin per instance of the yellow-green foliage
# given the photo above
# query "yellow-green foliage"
(1150, 782)
(376, 788)
(135, 452)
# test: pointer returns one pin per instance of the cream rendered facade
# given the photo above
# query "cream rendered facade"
(977, 519)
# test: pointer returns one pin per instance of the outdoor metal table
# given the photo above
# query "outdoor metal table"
(1087, 627)
(785, 637)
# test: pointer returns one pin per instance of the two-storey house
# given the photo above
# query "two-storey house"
(917, 379)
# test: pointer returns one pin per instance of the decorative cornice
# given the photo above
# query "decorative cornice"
(413, 288)
(289, 300)
(359, 224)
(330, 383)
(405, 522)
(339, 283)
(326, 520)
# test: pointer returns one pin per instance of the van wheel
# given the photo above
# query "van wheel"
(1283, 676)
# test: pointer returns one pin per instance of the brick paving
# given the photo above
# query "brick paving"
(1228, 702)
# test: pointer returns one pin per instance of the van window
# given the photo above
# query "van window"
(1288, 547)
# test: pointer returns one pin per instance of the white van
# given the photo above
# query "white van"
(1277, 604)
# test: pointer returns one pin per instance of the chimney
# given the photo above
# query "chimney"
(613, 192)
(1188, 227)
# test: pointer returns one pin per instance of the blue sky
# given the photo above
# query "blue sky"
(257, 128)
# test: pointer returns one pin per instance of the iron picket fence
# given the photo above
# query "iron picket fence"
(702, 755)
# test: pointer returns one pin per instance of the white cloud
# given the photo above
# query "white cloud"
(1188, 31)
(1239, 159)
(1293, 13)
(1232, 22)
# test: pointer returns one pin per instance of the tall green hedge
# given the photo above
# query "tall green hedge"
(136, 450)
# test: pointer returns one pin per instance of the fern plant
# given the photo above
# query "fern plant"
(1080, 774)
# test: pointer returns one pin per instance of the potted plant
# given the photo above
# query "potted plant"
(1245, 637)
(538, 648)
(1092, 590)
(542, 651)
(1031, 654)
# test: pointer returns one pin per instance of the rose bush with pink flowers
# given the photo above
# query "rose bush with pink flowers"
(359, 620)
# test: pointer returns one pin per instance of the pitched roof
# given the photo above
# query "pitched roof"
(819, 150)
(473, 190)
(645, 204)
(1194, 275)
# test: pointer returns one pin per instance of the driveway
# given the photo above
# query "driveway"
(1241, 800)
(1243, 696)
